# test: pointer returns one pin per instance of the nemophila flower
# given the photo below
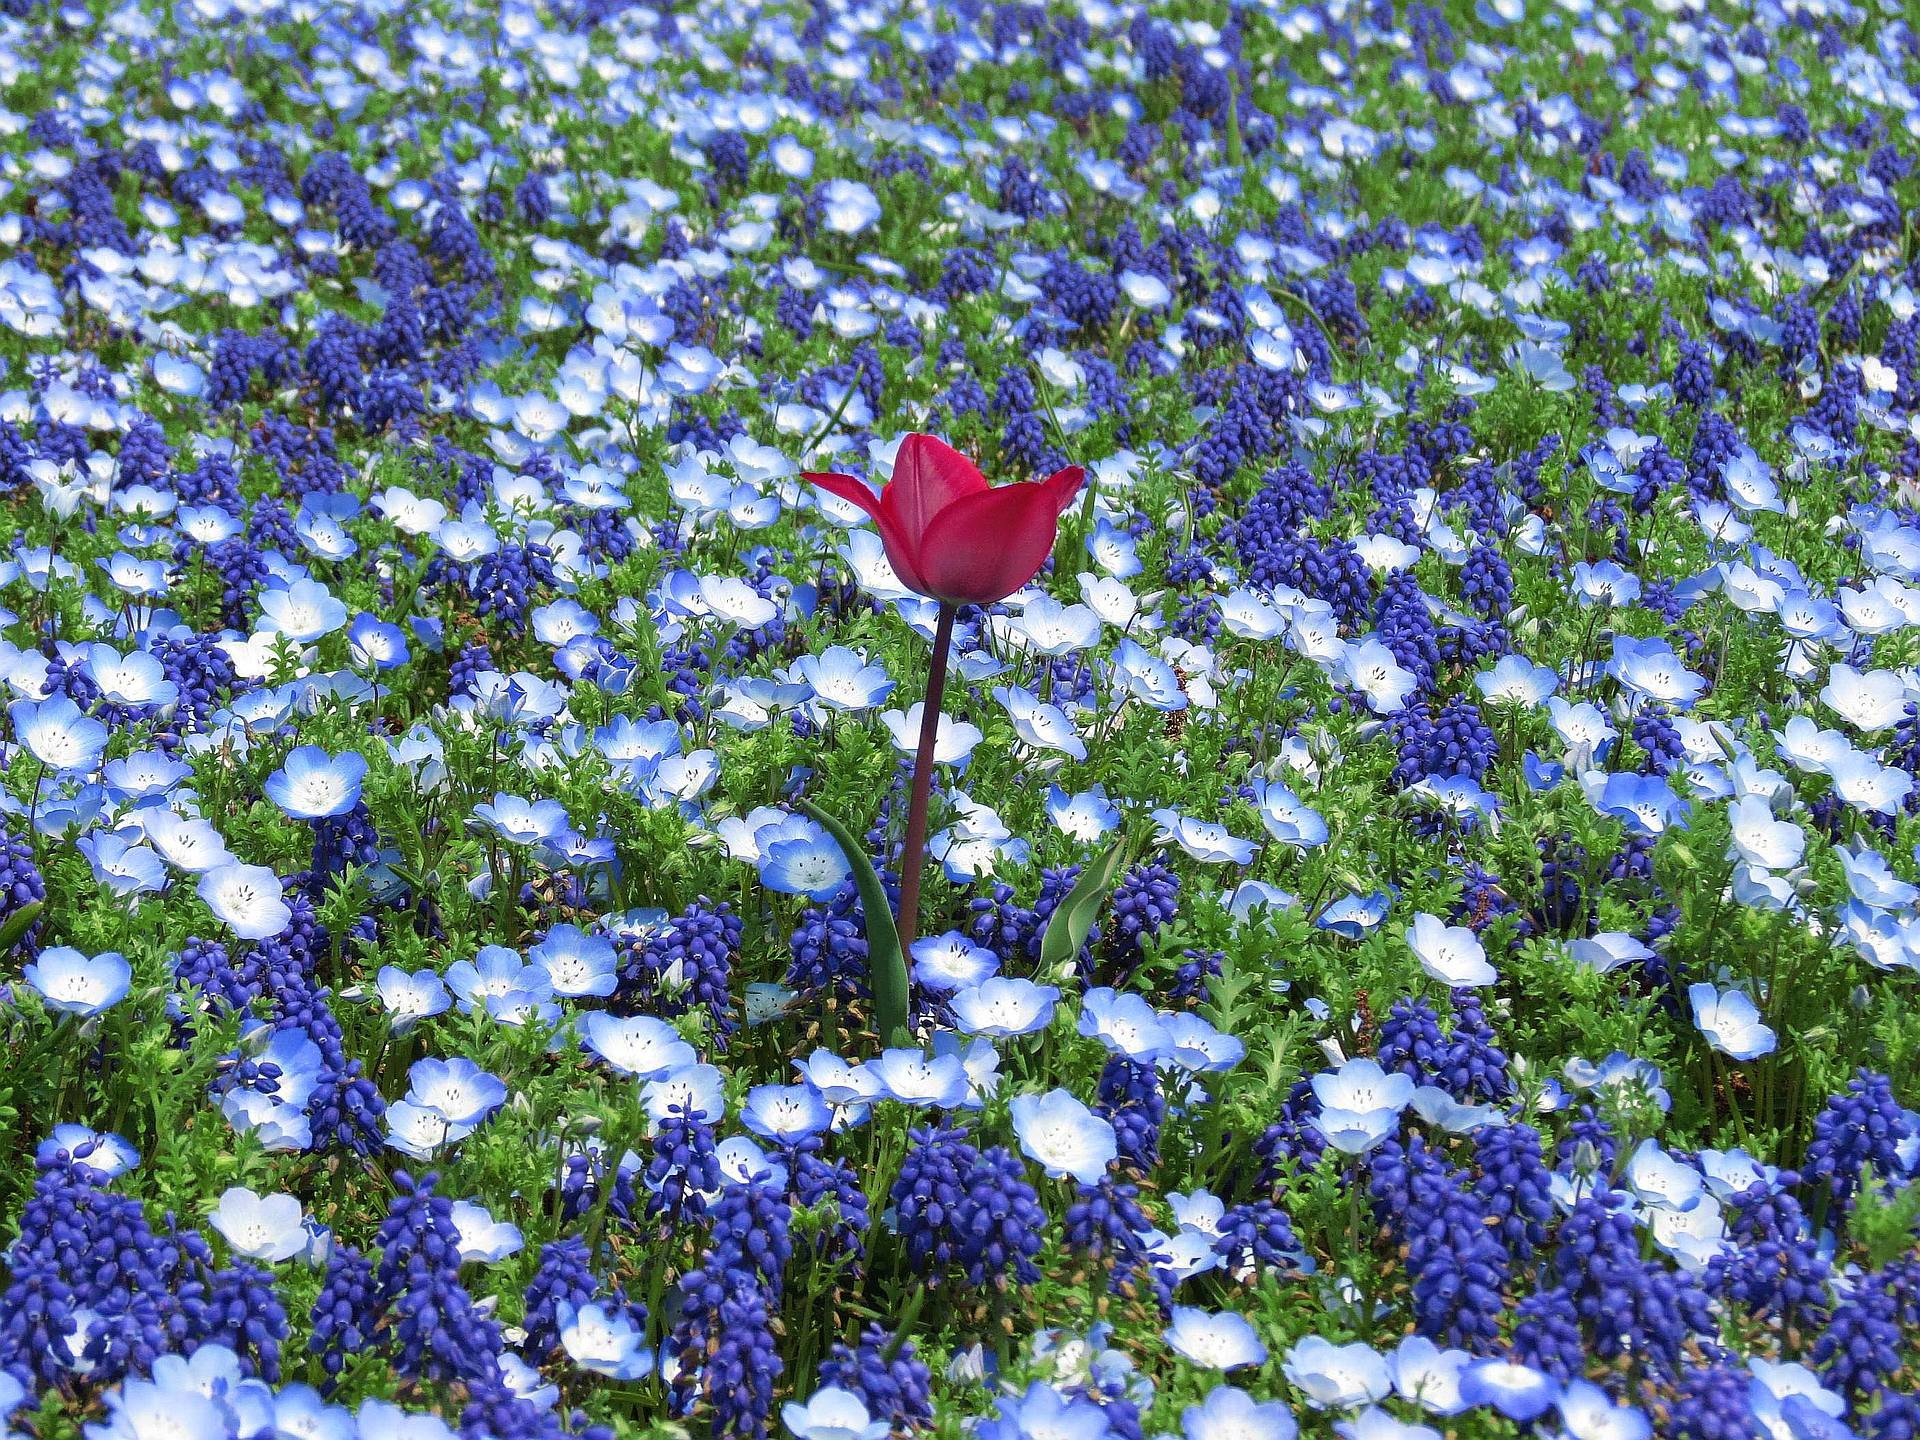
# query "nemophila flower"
(304, 611)
(375, 644)
(1337, 1377)
(605, 1340)
(1287, 819)
(1043, 726)
(1518, 1392)
(848, 207)
(1788, 1398)
(1515, 680)
(1451, 954)
(954, 740)
(948, 533)
(950, 962)
(1045, 1411)
(1001, 1008)
(313, 785)
(1588, 1413)
(1730, 1021)
(135, 680)
(641, 1046)
(577, 964)
(247, 899)
(1123, 1022)
(692, 1092)
(1229, 1413)
(832, 1414)
(410, 998)
(458, 1090)
(77, 984)
(785, 1114)
(1651, 670)
(261, 1227)
(1360, 1105)
(843, 679)
(519, 821)
(483, 1238)
(108, 1155)
(57, 734)
(914, 1078)
(1376, 1424)
(1869, 700)
(1355, 915)
(1066, 1138)
(1428, 1375)
(1087, 816)
(1214, 1340)
(1206, 841)
(1757, 838)
(804, 860)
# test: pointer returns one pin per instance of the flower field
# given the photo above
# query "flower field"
(1040, 721)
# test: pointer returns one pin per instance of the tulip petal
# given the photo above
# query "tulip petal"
(900, 552)
(986, 546)
(849, 489)
(928, 476)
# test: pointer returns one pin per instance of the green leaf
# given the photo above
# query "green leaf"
(1072, 921)
(886, 966)
(17, 924)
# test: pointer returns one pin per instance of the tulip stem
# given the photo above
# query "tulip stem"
(913, 849)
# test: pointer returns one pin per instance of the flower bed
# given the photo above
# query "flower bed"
(1046, 721)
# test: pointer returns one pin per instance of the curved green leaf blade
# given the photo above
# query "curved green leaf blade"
(1072, 921)
(886, 966)
(18, 923)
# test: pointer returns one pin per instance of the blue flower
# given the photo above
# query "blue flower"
(247, 899)
(1337, 1377)
(914, 1078)
(577, 964)
(1518, 1392)
(1043, 1413)
(1002, 1008)
(57, 734)
(458, 1090)
(303, 611)
(843, 679)
(833, 1414)
(1588, 1413)
(411, 998)
(1730, 1021)
(1087, 816)
(1214, 1340)
(313, 785)
(261, 1227)
(1229, 1413)
(640, 1045)
(785, 1114)
(1651, 670)
(805, 860)
(520, 821)
(375, 644)
(605, 1340)
(77, 984)
(1123, 1022)
(1064, 1136)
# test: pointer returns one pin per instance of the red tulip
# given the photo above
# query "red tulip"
(949, 534)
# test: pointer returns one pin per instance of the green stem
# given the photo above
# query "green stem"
(913, 848)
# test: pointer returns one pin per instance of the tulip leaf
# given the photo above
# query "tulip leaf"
(886, 965)
(1072, 920)
(18, 923)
